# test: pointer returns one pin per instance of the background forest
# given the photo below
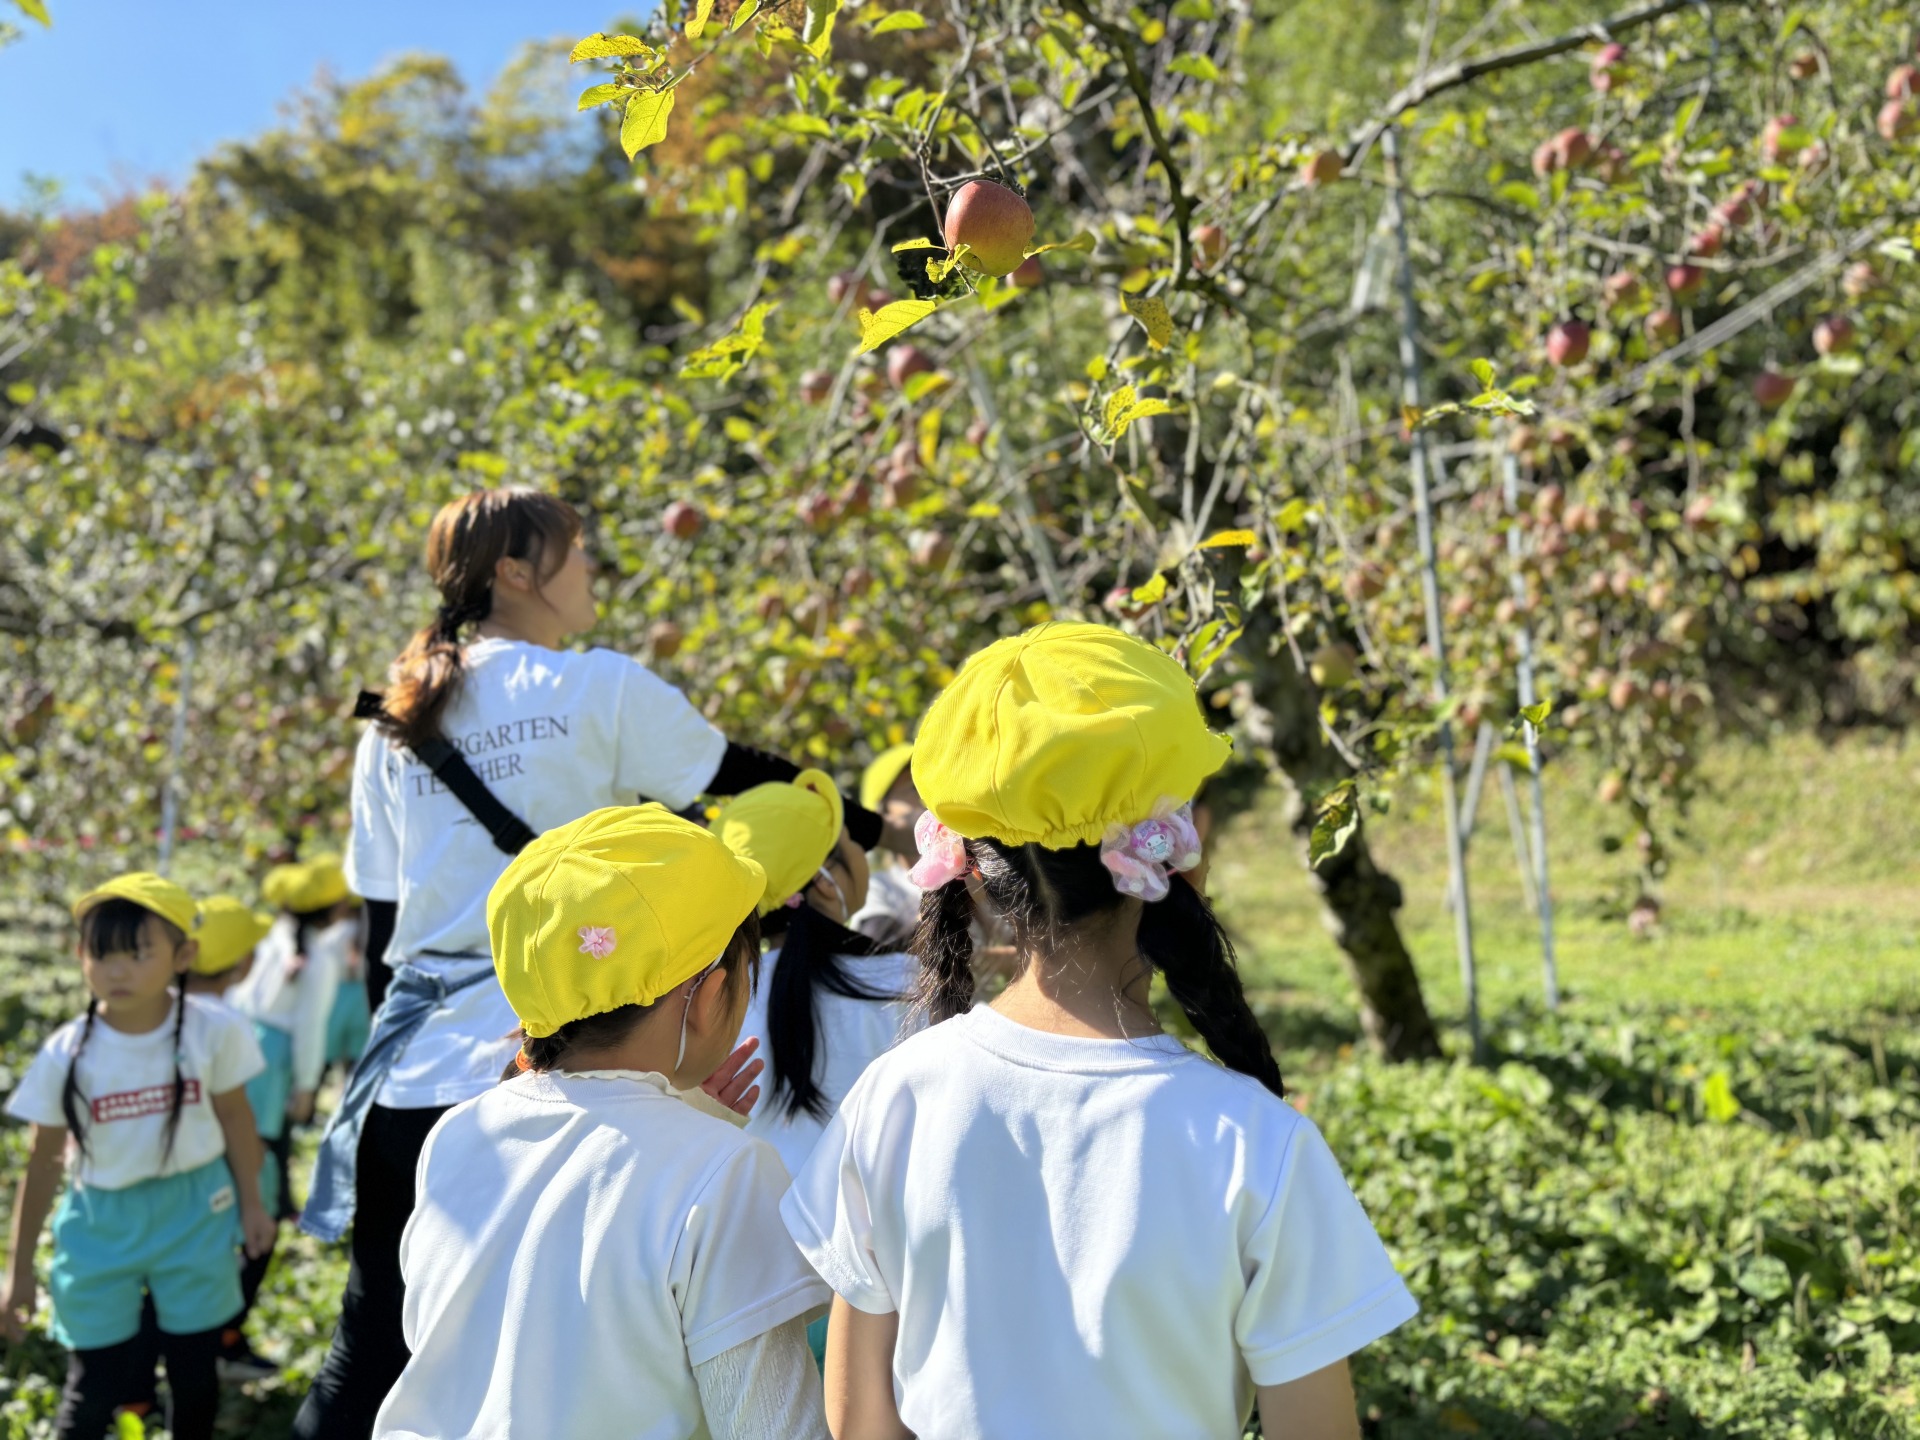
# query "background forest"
(1399, 366)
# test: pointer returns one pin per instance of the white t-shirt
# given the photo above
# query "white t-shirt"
(852, 1034)
(298, 1003)
(126, 1092)
(1087, 1237)
(554, 734)
(892, 911)
(580, 1243)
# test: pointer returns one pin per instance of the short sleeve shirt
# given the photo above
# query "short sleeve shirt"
(1167, 1233)
(126, 1085)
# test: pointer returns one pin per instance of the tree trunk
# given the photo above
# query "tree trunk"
(1359, 898)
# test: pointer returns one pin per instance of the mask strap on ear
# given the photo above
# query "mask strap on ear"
(846, 912)
(680, 1055)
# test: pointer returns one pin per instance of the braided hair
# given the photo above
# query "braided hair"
(110, 927)
(610, 1027)
(809, 963)
(1044, 893)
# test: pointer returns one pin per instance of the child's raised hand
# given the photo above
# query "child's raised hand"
(732, 1084)
(258, 1230)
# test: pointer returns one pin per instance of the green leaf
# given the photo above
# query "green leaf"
(1083, 241)
(1766, 1278)
(1333, 825)
(1151, 593)
(723, 359)
(1717, 1098)
(20, 392)
(1198, 66)
(605, 47)
(1518, 192)
(1210, 647)
(1152, 315)
(899, 20)
(1484, 372)
(697, 22)
(1536, 715)
(36, 10)
(1227, 539)
(878, 327)
(645, 122)
(741, 16)
(599, 95)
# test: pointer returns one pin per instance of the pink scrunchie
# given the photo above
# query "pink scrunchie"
(1141, 857)
(943, 854)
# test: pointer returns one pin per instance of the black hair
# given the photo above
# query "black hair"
(109, 928)
(810, 954)
(1041, 892)
(610, 1027)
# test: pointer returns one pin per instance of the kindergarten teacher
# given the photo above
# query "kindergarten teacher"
(477, 746)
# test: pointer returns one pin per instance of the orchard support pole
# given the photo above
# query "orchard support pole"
(170, 797)
(1430, 594)
(1550, 971)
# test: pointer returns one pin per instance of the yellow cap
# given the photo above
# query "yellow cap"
(229, 929)
(313, 884)
(614, 909)
(1051, 736)
(788, 830)
(150, 892)
(877, 779)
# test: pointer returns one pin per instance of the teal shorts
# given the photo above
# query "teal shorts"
(350, 1023)
(817, 1342)
(270, 1183)
(270, 1090)
(175, 1236)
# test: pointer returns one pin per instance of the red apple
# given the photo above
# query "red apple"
(1699, 513)
(842, 285)
(994, 224)
(1612, 787)
(877, 298)
(906, 361)
(899, 490)
(1772, 389)
(1567, 342)
(855, 500)
(1568, 150)
(1323, 167)
(1209, 244)
(929, 548)
(856, 582)
(1833, 335)
(769, 607)
(1608, 67)
(1332, 665)
(978, 431)
(817, 510)
(1804, 66)
(1773, 136)
(1611, 165)
(1620, 288)
(1897, 120)
(1684, 281)
(1706, 242)
(816, 386)
(664, 639)
(1860, 280)
(1030, 273)
(682, 520)
(904, 459)
(1902, 82)
(1549, 502)
(1364, 582)
(1120, 602)
(1624, 693)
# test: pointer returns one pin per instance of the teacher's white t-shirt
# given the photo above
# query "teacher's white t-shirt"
(1086, 1237)
(554, 734)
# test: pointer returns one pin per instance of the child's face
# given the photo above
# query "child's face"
(848, 867)
(902, 805)
(570, 591)
(132, 979)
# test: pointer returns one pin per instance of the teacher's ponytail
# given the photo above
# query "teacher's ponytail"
(468, 539)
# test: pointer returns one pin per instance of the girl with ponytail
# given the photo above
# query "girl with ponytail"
(143, 1101)
(1052, 1175)
(551, 733)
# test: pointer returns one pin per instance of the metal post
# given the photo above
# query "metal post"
(170, 796)
(1543, 893)
(1430, 593)
(1476, 783)
(1522, 845)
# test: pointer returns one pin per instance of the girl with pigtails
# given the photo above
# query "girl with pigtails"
(494, 730)
(1043, 1215)
(142, 1100)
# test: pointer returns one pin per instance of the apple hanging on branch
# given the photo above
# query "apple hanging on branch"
(994, 224)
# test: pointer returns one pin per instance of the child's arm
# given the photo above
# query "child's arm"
(245, 1155)
(1314, 1407)
(31, 1202)
(766, 1388)
(860, 1403)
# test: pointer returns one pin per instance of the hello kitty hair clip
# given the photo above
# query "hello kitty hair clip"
(1142, 857)
(943, 854)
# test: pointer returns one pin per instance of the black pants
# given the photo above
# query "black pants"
(368, 1350)
(99, 1381)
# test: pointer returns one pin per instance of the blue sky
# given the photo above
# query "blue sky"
(125, 90)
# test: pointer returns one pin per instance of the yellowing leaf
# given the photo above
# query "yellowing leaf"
(645, 122)
(1223, 539)
(741, 16)
(1152, 314)
(697, 22)
(921, 244)
(1151, 593)
(604, 47)
(723, 358)
(1198, 66)
(1338, 817)
(900, 20)
(1083, 241)
(878, 327)
(36, 10)
(599, 95)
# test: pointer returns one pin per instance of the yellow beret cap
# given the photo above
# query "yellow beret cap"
(313, 884)
(1049, 737)
(787, 829)
(229, 929)
(886, 767)
(150, 892)
(614, 909)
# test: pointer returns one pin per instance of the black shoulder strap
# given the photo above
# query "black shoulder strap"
(510, 833)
